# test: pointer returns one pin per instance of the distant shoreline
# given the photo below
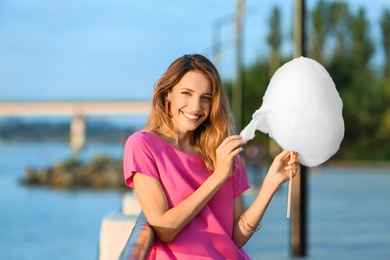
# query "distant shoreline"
(332, 163)
(16, 130)
(379, 165)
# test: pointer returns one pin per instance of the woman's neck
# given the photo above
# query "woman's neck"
(186, 145)
(182, 142)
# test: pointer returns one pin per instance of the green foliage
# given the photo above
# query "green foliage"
(275, 38)
(256, 81)
(100, 159)
(341, 41)
(72, 162)
(385, 28)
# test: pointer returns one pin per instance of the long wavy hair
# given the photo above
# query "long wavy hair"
(219, 124)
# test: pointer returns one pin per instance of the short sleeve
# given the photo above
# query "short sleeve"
(138, 157)
(240, 180)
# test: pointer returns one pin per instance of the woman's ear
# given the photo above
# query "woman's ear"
(167, 96)
(167, 106)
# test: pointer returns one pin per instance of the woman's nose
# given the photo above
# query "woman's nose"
(196, 104)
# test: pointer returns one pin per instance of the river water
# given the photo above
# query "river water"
(348, 211)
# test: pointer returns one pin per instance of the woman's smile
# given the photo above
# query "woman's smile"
(191, 116)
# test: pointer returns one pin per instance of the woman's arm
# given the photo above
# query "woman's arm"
(166, 222)
(278, 173)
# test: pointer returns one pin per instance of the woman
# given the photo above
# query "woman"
(186, 171)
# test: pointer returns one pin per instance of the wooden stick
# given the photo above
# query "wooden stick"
(289, 191)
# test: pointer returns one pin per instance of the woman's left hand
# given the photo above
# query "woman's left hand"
(282, 166)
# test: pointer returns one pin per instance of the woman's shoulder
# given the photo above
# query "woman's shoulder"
(142, 136)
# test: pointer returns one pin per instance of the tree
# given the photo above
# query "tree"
(362, 48)
(256, 82)
(274, 41)
(385, 28)
(339, 14)
(381, 96)
(339, 62)
(341, 41)
(321, 25)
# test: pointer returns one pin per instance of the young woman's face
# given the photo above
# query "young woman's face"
(190, 102)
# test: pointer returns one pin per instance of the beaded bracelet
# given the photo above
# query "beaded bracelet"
(251, 229)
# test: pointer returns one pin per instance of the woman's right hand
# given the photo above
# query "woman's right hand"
(225, 154)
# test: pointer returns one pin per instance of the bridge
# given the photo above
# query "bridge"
(76, 109)
(69, 108)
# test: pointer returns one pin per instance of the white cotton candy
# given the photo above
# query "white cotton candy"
(301, 111)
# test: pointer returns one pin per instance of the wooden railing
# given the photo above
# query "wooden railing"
(140, 241)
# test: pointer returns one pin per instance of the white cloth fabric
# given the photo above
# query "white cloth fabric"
(301, 111)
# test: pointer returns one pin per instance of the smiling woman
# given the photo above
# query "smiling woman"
(186, 170)
(192, 80)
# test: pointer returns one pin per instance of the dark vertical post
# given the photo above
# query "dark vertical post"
(299, 214)
(237, 88)
(299, 196)
(299, 28)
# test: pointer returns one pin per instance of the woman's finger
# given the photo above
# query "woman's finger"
(236, 151)
(284, 155)
(231, 143)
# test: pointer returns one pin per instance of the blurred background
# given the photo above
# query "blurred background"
(60, 57)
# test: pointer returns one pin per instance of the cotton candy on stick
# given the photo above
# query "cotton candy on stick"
(301, 111)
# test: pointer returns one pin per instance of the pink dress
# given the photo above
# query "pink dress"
(209, 234)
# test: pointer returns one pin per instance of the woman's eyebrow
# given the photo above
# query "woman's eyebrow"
(191, 90)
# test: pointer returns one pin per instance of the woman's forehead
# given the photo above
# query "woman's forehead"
(195, 81)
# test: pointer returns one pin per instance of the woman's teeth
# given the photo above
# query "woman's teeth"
(191, 116)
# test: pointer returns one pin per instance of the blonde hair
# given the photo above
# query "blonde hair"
(219, 125)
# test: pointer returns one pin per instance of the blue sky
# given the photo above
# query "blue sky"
(116, 49)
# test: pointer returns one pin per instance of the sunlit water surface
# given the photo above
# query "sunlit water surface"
(348, 211)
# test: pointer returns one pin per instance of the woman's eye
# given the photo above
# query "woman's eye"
(206, 98)
(186, 93)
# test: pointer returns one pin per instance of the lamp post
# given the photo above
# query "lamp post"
(238, 85)
(216, 37)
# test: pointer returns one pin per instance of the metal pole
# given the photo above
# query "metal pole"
(216, 38)
(238, 86)
(299, 28)
(299, 197)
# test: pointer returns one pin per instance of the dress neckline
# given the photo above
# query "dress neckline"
(171, 146)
